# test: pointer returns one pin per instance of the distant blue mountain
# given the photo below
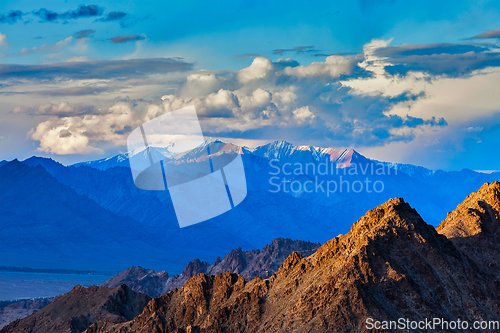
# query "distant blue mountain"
(91, 215)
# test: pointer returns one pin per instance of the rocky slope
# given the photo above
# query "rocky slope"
(152, 283)
(73, 312)
(474, 227)
(21, 309)
(142, 280)
(390, 265)
(263, 263)
(249, 264)
(48, 223)
(118, 214)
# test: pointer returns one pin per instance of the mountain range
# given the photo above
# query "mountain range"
(390, 265)
(153, 284)
(91, 216)
(249, 264)
(79, 308)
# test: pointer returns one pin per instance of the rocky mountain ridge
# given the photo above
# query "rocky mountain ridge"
(74, 311)
(390, 265)
(249, 264)
(152, 283)
(474, 227)
(21, 309)
(265, 214)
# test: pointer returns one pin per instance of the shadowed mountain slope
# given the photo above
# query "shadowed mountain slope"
(309, 212)
(21, 309)
(73, 312)
(247, 263)
(143, 280)
(474, 227)
(390, 265)
(44, 220)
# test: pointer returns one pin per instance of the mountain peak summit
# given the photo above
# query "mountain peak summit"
(395, 215)
(478, 213)
(474, 227)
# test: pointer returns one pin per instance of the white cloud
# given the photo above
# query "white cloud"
(200, 84)
(474, 129)
(260, 68)
(63, 136)
(304, 104)
(3, 39)
(82, 134)
(310, 99)
(223, 100)
(372, 62)
(46, 47)
(333, 66)
(259, 99)
(77, 59)
(61, 109)
(303, 114)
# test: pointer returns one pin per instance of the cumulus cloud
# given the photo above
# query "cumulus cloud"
(3, 39)
(440, 102)
(452, 60)
(287, 101)
(334, 66)
(303, 114)
(200, 84)
(259, 69)
(62, 109)
(341, 101)
(125, 39)
(73, 134)
(62, 137)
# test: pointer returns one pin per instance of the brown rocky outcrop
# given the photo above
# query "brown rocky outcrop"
(390, 265)
(249, 264)
(142, 280)
(474, 227)
(21, 309)
(74, 311)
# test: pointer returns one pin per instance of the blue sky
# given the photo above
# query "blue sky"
(414, 83)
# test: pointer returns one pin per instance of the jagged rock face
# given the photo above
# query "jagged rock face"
(474, 227)
(192, 268)
(22, 309)
(263, 263)
(142, 280)
(74, 311)
(196, 301)
(249, 264)
(390, 265)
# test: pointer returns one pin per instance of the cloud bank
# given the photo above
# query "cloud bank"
(385, 96)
